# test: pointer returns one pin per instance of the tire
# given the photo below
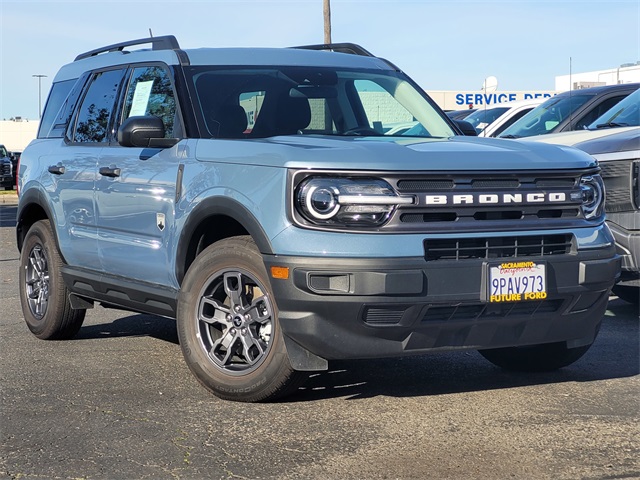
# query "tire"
(536, 358)
(228, 325)
(627, 293)
(43, 294)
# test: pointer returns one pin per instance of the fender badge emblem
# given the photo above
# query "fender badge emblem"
(160, 221)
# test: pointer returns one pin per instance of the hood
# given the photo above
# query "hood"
(575, 136)
(385, 154)
(624, 140)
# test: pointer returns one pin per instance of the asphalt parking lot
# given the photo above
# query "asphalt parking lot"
(118, 402)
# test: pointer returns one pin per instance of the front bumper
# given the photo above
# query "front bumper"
(628, 245)
(338, 308)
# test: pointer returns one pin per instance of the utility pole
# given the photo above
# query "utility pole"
(327, 21)
(39, 77)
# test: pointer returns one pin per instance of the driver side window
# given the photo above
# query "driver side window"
(150, 92)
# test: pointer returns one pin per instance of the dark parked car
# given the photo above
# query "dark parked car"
(619, 157)
(15, 160)
(7, 175)
(572, 110)
(614, 140)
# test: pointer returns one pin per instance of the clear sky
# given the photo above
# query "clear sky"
(442, 44)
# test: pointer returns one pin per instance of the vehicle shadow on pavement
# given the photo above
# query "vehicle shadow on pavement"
(615, 354)
(132, 326)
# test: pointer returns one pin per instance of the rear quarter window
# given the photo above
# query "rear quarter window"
(55, 108)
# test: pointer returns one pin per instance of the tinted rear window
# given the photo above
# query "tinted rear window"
(57, 96)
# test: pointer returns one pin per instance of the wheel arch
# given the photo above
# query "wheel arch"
(214, 219)
(31, 209)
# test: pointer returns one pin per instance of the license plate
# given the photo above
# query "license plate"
(517, 282)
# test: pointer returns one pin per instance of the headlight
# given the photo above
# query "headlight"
(333, 201)
(592, 189)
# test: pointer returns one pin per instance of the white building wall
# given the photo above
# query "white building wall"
(612, 76)
(15, 136)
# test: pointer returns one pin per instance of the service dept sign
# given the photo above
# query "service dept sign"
(460, 100)
(480, 99)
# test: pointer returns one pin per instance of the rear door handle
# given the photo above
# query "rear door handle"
(56, 169)
(110, 171)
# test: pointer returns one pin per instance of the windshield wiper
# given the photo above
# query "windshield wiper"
(611, 125)
(510, 136)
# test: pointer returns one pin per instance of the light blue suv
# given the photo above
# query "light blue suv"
(253, 195)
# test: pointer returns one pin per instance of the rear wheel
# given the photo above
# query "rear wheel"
(43, 294)
(228, 325)
(535, 358)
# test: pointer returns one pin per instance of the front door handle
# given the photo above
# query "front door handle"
(56, 169)
(110, 171)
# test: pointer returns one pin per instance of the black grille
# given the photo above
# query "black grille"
(499, 247)
(617, 180)
(491, 201)
(5, 168)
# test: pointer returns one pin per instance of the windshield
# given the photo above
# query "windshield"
(481, 119)
(546, 117)
(3, 151)
(625, 113)
(260, 102)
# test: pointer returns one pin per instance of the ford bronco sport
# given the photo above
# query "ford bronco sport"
(252, 195)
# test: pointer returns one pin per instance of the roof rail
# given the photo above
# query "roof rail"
(351, 48)
(167, 42)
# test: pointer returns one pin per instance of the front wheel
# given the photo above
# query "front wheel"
(43, 294)
(535, 358)
(228, 325)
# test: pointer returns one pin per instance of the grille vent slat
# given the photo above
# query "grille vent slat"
(425, 185)
(507, 183)
(383, 315)
(555, 182)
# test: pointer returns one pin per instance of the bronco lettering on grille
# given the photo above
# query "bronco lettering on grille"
(495, 199)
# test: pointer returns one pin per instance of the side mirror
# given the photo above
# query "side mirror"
(466, 128)
(144, 132)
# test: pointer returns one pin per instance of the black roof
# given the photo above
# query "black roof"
(620, 87)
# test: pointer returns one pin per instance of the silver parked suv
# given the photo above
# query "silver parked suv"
(253, 195)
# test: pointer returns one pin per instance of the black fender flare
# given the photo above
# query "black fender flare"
(28, 199)
(218, 206)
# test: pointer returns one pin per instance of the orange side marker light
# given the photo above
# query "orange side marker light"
(281, 273)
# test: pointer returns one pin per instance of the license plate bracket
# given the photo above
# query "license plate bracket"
(516, 281)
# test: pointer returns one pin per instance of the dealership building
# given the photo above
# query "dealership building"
(459, 100)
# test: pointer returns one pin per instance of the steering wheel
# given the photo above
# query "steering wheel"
(361, 131)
